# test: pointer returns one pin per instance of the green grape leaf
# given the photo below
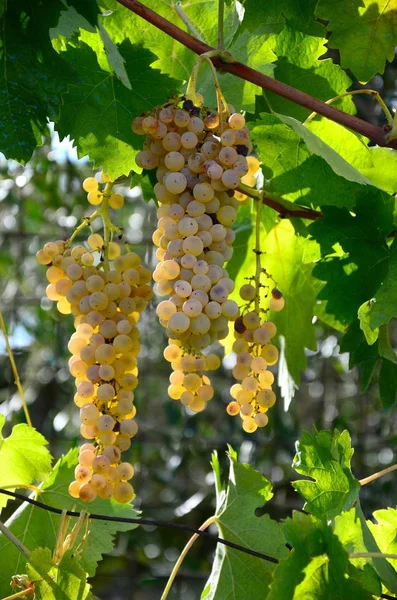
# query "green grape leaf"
(365, 33)
(173, 58)
(298, 65)
(32, 76)
(385, 532)
(356, 535)
(24, 458)
(283, 260)
(298, 173)
(245, 491)
(36, 527)
(318, 567)
(69, 23)
(379, 165)
(63, 581)
(255, 49)
(325, 457)
(87, 8)
(355, 272)
(384, 307)
(364, 316)
(98, 111)
(388, 383)
(275, 12)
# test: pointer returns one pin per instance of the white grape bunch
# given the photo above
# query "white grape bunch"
(255, 352)
(200, 158)
(105, 290)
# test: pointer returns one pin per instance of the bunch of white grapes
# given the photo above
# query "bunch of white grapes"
(106, 297)
(253, 397)
(200, 158)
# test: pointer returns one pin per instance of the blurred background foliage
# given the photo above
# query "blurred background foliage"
(44, 201)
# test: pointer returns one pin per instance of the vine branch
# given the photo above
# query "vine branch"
(285, 209)
(372, 132)
(377, 475)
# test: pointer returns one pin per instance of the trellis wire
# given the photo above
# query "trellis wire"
(153, 522)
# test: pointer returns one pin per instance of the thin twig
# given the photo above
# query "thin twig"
(14, 540)
(372, 132)
(372, 555)
(377, 475)
(183, 16)
(181, 558)
(15, 371)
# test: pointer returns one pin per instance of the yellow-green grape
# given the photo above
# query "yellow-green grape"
(90, 184)
(116, 201)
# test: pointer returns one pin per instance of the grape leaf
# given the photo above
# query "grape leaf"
(357, 272)
(318, 567)
(36, 527)
(365, 33)
(371, 335)
(275, 12)
(97, 112)
(295, 172)
(235, 517)
(298, 65)
(24, 458)
(32, 75)
(283, 260)
(385, 532)
(379, 165)
(325, 457)
(384, 307)
(355, 534)
(173, 58)
(63, 581)
(69, 23)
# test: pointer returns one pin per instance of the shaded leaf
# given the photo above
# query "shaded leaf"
(97, 113)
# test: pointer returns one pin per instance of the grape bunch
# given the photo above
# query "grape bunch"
(200, 157)
(105, 290)
(253, 396)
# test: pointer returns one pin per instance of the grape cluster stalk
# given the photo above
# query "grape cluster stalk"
(200, 157)
(105, 290)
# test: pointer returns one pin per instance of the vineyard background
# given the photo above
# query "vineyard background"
(174, 481)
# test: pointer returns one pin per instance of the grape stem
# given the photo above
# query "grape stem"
(258, 269)
(181, 558)
(377, 475)
(15, 371)
(14, 540)
(372, 132)
(285, 209)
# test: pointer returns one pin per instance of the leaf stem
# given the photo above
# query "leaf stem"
(372, 555)
(15, 371)
(221, 15)
(186, 549)
(377, 475)
(372, 132)
(177, 6)
(283, 207)
(14, 540)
